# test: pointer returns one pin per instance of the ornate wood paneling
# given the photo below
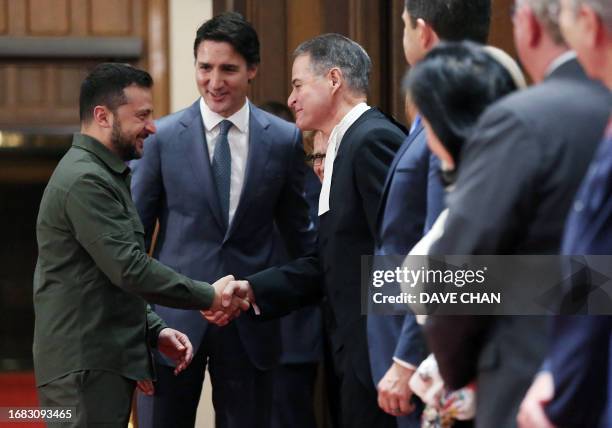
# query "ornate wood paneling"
(34, 91)
(31, 86)
(273, 74)
(157, 55)
(501, 26)
(3, 88)
(3, 16)
(48, 17)
(67, 92)
(111, 17)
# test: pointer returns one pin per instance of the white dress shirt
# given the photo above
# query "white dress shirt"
(332, 148)
(238, 138)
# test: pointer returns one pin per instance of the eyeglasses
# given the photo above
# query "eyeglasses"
(315, 159)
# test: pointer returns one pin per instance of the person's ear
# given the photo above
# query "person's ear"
(590, 25)
(103, 117)
(335, 79)
(251, 72)
(533, 28)
(426, 35)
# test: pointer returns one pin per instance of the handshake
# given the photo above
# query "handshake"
(231, 298)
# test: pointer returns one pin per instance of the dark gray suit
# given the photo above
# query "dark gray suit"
(173, 182)
(517, 180)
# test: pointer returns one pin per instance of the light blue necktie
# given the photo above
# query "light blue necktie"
(415, 123)
(222, 168)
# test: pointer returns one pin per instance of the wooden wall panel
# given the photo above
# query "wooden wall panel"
(269, 20)
(3, 16)
(17, 18)
(48, 17)
(157, 55)
(501, 26)
(68, 80)
(110, 17)
(45, 92)
(3, 87)
(31, 86)
(302, 23)
(79, 24)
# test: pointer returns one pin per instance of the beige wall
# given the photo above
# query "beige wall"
(185, 18)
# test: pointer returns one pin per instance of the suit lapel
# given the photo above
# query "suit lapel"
(400, 153)
(193, 141)
(259, 149)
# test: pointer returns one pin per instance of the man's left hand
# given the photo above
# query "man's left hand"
(176, 346)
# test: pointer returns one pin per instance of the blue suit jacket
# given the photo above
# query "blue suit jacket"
(580, 355)
(580, 363)
(413, 197)
(173, 182)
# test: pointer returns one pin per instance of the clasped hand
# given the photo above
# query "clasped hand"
(231, 298)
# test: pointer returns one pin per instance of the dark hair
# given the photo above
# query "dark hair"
(453, 85)
(232, 28)
(278, 109)
(104, 86)
(334, 50)
(453, 20)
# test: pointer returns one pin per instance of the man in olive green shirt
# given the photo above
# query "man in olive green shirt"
(93, 278)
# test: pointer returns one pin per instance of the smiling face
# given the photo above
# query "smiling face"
(311, 97)
(132, 123)
(223, 76)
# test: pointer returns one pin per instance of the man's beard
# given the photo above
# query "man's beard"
(124, 146)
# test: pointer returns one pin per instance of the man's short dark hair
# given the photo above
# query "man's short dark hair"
(104, 86)
(453, 20)
(232, 28)
(335, 50)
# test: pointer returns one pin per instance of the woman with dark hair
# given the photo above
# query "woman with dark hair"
(451, 88)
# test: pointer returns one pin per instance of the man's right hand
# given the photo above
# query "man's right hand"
(231, 297)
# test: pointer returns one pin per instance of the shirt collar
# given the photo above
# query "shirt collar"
(240, 119)
(347, 121)
(559, 61)
(112, 161)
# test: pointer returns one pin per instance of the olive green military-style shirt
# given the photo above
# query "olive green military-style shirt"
(93, 274)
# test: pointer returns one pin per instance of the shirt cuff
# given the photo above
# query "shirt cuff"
(404, 364)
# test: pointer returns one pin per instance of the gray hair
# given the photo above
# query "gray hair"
(603, 8)
(547, 12)
(334, 50)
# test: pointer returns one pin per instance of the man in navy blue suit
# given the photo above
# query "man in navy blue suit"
(574, 390)
(222, 177)
(413, 197)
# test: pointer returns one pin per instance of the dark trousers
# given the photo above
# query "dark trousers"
(242, 394)
(358, 395)
(98, 398)
(293, 396)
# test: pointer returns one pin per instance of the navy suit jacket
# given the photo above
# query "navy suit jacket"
(580, 363)
(173, 183)
(413, 197)
(580, 353)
